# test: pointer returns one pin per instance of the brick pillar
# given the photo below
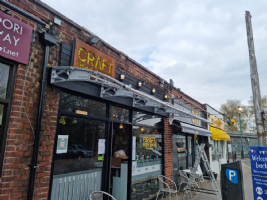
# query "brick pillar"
(168, 149)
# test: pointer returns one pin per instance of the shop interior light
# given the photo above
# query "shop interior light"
(165, 96)
(153, 90)
(142, 129)
(121, 126)
(93, 39)
(122, 77)
(140, 83)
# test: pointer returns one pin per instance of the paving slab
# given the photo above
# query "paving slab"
(247, 181)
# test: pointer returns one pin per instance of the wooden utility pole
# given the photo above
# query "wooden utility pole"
(255, 84)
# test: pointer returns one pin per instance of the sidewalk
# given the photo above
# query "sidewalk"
(200, 196)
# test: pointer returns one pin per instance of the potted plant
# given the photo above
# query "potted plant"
(180, 144)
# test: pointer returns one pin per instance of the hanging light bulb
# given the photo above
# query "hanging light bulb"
(142, 129)
(121, 126)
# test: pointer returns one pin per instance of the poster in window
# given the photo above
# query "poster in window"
(62, 144)
(101, 146)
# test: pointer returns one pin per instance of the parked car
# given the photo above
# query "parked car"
(82, 151)
(73, 151)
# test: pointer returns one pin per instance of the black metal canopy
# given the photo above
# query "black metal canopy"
(111, 87)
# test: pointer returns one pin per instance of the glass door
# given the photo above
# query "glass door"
(182, 151)
(190, 150)
(120, 154)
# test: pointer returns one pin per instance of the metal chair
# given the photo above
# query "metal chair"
(162, 188)
(184, 179)
(98, 195)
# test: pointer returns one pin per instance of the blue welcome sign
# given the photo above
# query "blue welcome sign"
(258, 159)
(232, 175)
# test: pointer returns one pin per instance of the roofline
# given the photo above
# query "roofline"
(243, 135)
(214, 109)
(108, 45)
(57, 13)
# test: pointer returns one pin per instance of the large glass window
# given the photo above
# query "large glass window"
(4, 75)
(1, 123)
(79, 157)
(182, 151)
(77, 104)
(120, 114)
(78, 145)
(6, 92)
(147, 155)
(216, 149)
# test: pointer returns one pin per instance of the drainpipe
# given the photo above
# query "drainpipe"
(48, 41)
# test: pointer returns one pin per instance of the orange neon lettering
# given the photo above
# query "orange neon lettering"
(80, 54)
(90, 59)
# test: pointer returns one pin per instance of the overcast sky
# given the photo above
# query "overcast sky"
(201, 45)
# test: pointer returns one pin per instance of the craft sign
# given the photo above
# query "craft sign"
(149, 142)
(15, 39)
(88, 57)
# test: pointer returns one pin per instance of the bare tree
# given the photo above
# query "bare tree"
(230, 111)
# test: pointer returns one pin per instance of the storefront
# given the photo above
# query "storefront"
(113, 132)
(219, 139)
(100, 124)
(101, 138)
(188, 133)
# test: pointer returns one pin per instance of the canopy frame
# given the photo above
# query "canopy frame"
(111, 87)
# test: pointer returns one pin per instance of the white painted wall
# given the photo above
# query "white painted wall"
(216, 165)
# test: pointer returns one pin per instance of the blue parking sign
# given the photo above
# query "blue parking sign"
(232, 175)
(258, 159)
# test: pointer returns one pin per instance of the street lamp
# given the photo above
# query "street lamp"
(240, 109)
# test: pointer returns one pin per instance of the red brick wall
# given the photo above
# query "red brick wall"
(168, 149)
(18, 153)
(19, 143)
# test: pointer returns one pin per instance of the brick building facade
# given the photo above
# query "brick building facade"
(25, 86)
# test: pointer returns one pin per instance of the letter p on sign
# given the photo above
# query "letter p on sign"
(232, 175)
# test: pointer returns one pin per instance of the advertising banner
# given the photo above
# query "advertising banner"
(15, 39)
(258, 159)
(217, 123)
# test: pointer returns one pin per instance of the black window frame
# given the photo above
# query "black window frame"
(7, 102)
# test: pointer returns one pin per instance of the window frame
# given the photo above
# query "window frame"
(7, 102)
